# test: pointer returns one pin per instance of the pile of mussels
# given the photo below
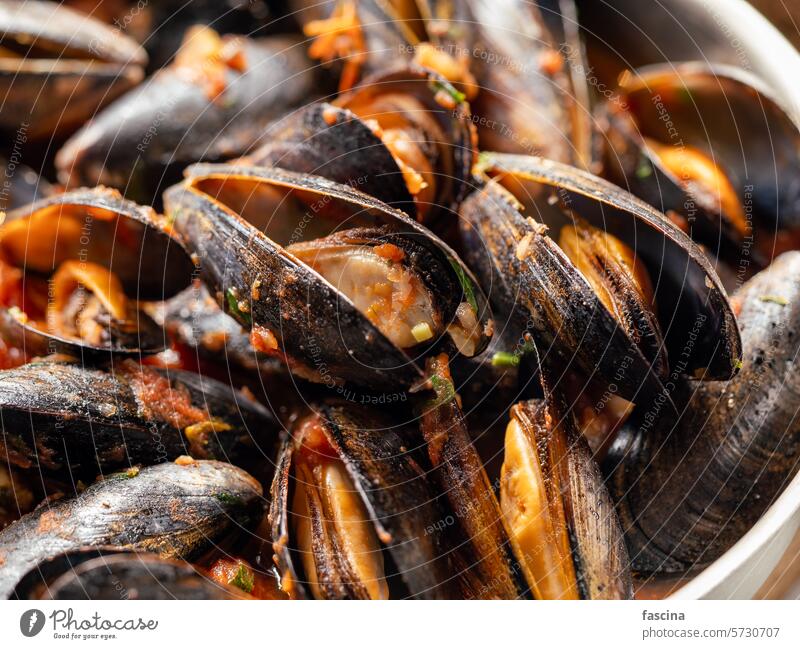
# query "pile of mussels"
(345, 300)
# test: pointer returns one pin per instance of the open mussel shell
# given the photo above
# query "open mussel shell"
(107, 573)
(663, 112)
(89, 229)
(348, 479)
(490, 570)
(369, 36)
(175, 510)
(436, 119)
(72, 422)
(212, 110)
(529, 101)
(687, 490)
(331, 142)
(349, 141)
(244, 223)
(59, 66)
(562, 524)
(532, 278)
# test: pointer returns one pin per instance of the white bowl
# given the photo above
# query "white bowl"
(730, 32)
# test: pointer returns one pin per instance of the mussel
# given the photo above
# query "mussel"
(562, 524)
(491, 571)
(58, 66)
(106, 573)
(528, 61)
(75, 267)
(404, 136)
(598, 277)
(353, 514)
(737, 195)
(342, 286)
(360, 37)
(73, 422)
(211, 103)
(687, 490)
(176, 510)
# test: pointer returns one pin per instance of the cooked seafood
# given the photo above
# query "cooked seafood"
(559, 517)
(348, 501)
(334, 317)
(687, 490)
(737, 198)
(590, 299)
(464, 363)
(72, 422)
(58, 66)
(73, 275)
(210, 103)
(108, 573)
(176, 510)
(407, 127)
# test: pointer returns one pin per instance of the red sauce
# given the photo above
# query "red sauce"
(237, 573)
(160, 399)
(312, 442)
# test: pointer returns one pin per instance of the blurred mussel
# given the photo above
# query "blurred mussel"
(597, 277)
(360, 37)
(58, 66)
(674, 137)
(340, 285)
(176, 510)
(532, 96)
(211, 103)
(75, 267)
(106, 573)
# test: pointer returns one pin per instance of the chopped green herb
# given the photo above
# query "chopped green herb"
(233, 307)
(775, 299)
(505, 359)
(466, 284)
(244, 579)
(644, 169)
(438, 85)
(125, 475)
(737, 364)
(445, 390)
(485, 161)
(228, 499)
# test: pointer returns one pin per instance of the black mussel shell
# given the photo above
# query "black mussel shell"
(95, 226)
(72, 422)
(238, 220)
(529, 64)
(669, 106)
(688, 490)
(59, 67)
(396, 494)
(174, 510)
(696, 318)
(106, 573)
(142, 142)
